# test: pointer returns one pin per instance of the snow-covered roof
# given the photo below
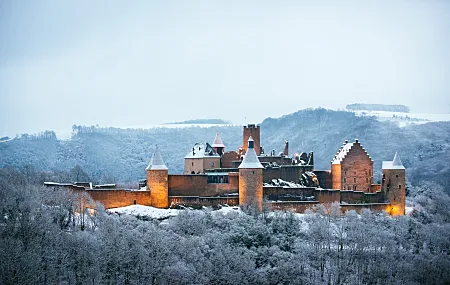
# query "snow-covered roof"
(396, 163)
(156, 162)
(250, 160)
(218, 141)
(342, 153)
(202, 150)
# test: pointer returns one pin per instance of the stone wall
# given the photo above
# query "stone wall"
(291, 206)
(276, 193)
(228, 158)
(255, 132)
(197, 185)
(115, 198)
(374, 207)
(197, 201)
(357, 169)
(325, 178)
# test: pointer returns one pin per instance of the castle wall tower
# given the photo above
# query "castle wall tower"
(393, 185)
(251, 178)
(157, 181)
(253, 131)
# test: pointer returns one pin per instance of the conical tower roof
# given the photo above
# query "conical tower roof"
(397, 162)
(156, 162)
(394, 164)
(250, 160)
(218, 141)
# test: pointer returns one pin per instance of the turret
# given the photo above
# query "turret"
(218, 145)
(251, 179)
(393, 185)
(157, 181)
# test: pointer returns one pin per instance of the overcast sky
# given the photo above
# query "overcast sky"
(116, 64)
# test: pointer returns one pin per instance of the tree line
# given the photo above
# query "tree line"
(50, 236)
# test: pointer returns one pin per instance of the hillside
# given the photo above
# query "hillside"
(121, 155)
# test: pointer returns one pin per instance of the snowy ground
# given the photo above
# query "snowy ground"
(404, 119)
(160, 214)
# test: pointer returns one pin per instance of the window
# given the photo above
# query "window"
(345, 179)
(354, 187)
(218, 178)
(396, 176)
(354, 179)
(212, 164)
(370, 172)
(349, 188)
(399, 186)
(345, 172)
(366, 172)
(367, 180)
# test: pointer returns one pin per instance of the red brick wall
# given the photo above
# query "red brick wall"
(228, 157)
(356, 166)
(196, 201)
(197, 185)
(120, 198)
(328, 196)
(251, 187)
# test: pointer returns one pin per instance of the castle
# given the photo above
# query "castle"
(249, 177)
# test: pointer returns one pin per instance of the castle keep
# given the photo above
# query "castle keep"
(249, 177)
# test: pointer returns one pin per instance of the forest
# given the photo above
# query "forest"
(50, 236)
(113, 155)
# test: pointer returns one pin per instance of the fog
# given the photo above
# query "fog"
(115, 64)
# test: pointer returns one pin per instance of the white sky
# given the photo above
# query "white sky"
(116, 64)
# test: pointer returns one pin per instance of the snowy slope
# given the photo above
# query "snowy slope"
(404, 119)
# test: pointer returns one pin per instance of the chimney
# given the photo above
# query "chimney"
(286, 148)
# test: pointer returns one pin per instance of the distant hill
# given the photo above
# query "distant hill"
(203, 121)
(121, 155)
(377, 107)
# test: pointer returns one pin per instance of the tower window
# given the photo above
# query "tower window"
(396, 176)
(399, 186)
(367, 179)
(354, 179)
(345, 179)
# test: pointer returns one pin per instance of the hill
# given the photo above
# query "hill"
(121, 155)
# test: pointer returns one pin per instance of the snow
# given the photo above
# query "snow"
(146, 211)
(199, 151)
(250, 160)
(342, 153)
(405, 119)
(161, 214)
(156, 162)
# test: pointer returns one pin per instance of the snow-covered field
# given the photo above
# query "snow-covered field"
(404, 119)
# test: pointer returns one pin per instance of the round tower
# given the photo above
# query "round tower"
(251, 179)
(157, 181)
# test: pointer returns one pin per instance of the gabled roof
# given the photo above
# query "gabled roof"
(156, 162)
(250, 160)
(396, 163)
(345, 149)
(218, 141)
(342, 153)
(202, 150)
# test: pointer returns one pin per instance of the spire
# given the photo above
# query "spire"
(397, 162)
(218, 141)
(250, 160)
(156, 162)
(394, 164)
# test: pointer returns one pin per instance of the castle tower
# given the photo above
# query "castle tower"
(157, 181)
(393, 185)
(218, 145)
(253, 131)
(286, 148)
(251, 178)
